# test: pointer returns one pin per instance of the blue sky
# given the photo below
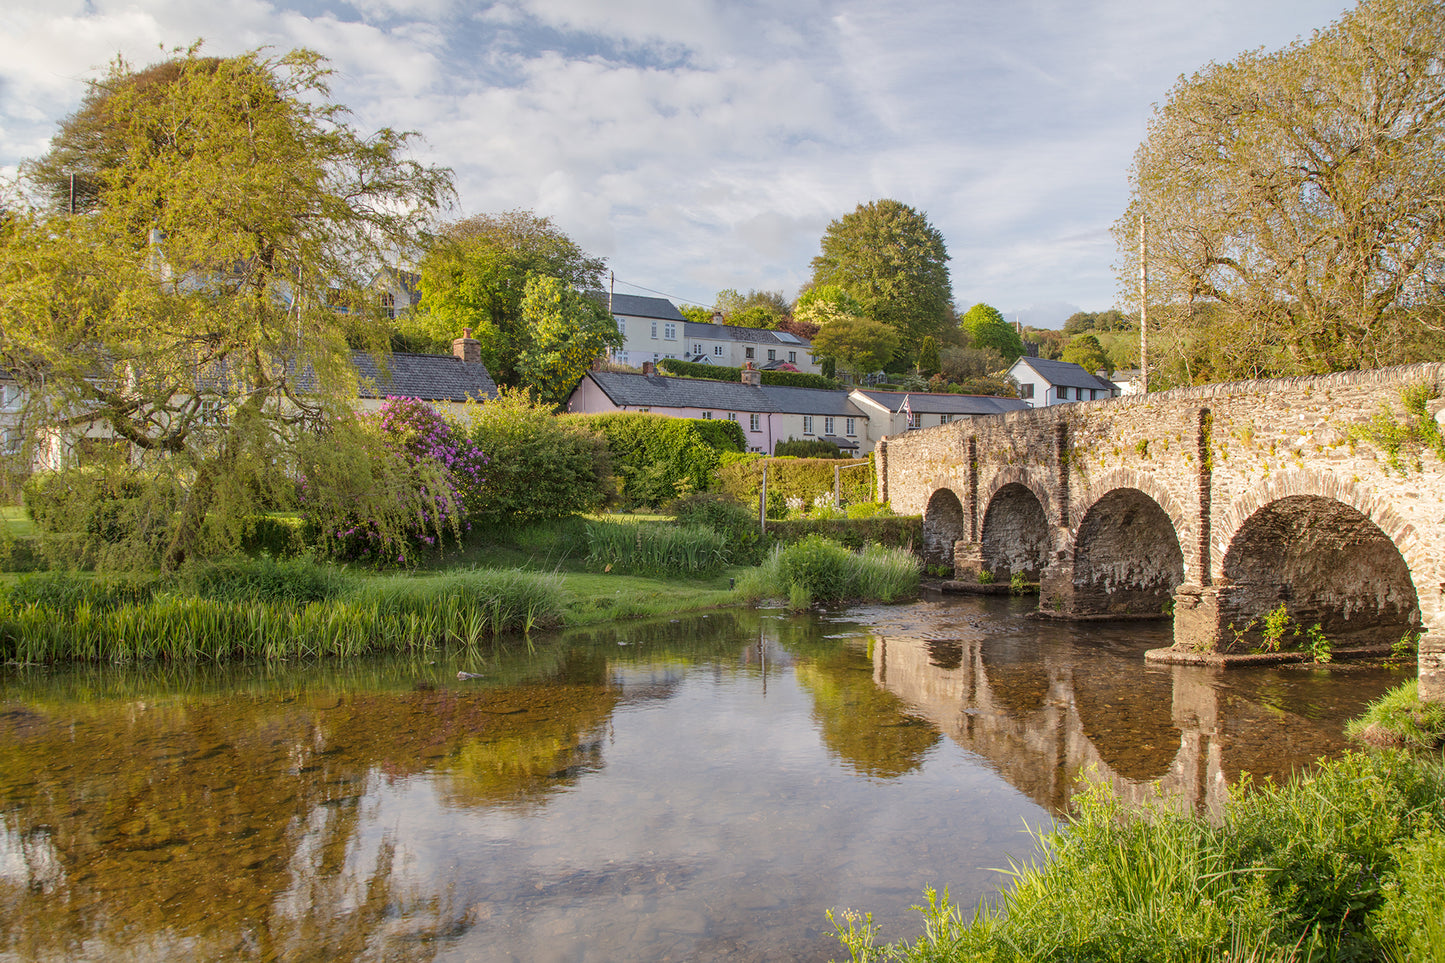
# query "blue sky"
(703, 144)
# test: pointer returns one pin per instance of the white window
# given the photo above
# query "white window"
(747, 352)
(807, 424)
(388, 304)
(915, 419)
(621, 327)
(697, 349)
(944, 419)
(827, 426)
(732, 416)
(755, 422)
(717, 350)
(669, 331)
(654, 330)
(849, 424)
(792, 357)
(707, 416)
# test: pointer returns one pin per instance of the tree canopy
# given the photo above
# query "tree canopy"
(1085, 351)
(204, 307)
(1299, 191)
(475, 276)
(986, 328)
(889, 258)
(857, 344)
(564, 331)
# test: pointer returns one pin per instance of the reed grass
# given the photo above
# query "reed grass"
(817, 569)
(655, 549)
(398, 614)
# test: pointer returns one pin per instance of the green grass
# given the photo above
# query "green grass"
(817, 569)
(1400, 718)
(1343, 864)
(14, 520)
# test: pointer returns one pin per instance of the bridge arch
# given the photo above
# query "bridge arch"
(944, 523)
(1328, 551)
(1015, 534)
(1128, 555)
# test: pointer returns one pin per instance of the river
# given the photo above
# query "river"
(705, 787)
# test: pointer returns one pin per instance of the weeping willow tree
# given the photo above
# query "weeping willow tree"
(185, 317)
(1295, 202)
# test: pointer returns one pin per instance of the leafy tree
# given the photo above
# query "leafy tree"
(1299, 191)
(928, 360)
(887, 256)
(962, 364)
(192, 312)
(696, 314)
(1051, 343)
(475, 276)
(987, 328)
(1085, 351)
(564, 331)
(823, 303)
(857, 344)
(756, 309)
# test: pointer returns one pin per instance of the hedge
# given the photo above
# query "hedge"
(717, 372)
(658, 458)
(804, 478)
(892, 531)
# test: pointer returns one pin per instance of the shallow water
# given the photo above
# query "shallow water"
(701, 788)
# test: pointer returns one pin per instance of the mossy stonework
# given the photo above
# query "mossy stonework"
(1216, 504)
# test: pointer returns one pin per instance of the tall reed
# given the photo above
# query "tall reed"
(656, 549)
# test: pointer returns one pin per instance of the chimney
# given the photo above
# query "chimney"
(467, 348)
(648, 368)
(751, 376)
(717, 317)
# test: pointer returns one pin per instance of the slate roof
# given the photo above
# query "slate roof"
(938, 403)
(812, 401)
(659, 391)
(430, 377)
(1066, 373)
(635, 306)
(705, 331)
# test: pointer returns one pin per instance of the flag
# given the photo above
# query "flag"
(905, 408)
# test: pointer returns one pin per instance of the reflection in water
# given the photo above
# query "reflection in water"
(685, 788)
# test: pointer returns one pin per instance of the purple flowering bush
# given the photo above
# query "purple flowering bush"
(422, 475)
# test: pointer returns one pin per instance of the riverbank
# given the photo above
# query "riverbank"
(1342, 863)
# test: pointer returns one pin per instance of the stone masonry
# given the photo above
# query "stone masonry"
(1322, 494)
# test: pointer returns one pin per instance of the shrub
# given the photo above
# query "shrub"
(110, 515)
(657, 458)
(807, 448)
(804, 478)
(817, 569)
(541, 467)
(280, 536)
(713, 372)
(65, 591)
(819, 566)
(893, 531)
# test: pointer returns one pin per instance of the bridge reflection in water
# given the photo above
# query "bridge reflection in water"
(1046, 703)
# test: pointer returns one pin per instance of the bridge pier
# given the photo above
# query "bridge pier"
(1197, 623)
(967, 560)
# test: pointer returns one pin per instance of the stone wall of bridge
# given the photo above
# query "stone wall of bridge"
(1221, 503)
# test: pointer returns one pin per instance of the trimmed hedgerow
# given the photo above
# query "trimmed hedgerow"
(657, 458)
(714, 372)
(892, 531)
(805, 478)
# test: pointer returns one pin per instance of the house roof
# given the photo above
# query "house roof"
(706, 331)
(939, 403)
(1065, 373)
(812, 401)
(430, 377)
(660, 391)
(635, 306)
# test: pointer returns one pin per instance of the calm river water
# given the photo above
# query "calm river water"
(702, 788)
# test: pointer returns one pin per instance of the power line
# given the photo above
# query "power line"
(670, 297)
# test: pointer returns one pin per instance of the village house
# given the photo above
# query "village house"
(653, 329)
(1043, 382)
(899, 411)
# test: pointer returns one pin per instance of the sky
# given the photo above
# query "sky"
(699, 145)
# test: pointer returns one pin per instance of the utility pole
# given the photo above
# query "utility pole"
(1143, 305)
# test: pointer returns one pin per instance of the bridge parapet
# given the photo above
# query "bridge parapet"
(1316, 466)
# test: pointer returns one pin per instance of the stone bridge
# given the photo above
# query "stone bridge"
(1216, 504)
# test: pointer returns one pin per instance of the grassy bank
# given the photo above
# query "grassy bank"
(1347, 863)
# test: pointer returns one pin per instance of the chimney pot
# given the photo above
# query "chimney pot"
(647, 367)
(467, 348)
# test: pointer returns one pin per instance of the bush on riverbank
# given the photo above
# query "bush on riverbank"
(655, 549)
(1399, 718)
(1342, 864)
(817, 569)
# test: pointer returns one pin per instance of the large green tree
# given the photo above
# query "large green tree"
(1301, 192)
(192, 312)
(475, 275)
(894, 263)
(986, 328)
(564, 332)
(855, 344)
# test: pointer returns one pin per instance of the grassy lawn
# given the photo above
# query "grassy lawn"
(15, 522)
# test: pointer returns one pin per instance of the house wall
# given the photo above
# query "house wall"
(640, 343)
